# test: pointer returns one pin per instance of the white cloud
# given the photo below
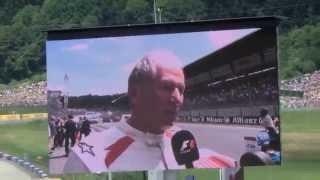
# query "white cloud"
(220, 39)
(78, 47)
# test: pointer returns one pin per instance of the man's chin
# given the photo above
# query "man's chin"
(167, 124)
(164, 128)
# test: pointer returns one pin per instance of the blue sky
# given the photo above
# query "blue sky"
(101, 66)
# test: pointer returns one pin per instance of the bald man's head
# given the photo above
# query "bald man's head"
(146, 69)
(156, 87)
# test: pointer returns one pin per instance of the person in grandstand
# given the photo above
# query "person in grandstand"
(156, 88)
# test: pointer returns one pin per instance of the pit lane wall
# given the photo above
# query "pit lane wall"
(24, 117)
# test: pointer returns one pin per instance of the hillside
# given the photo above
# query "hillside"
(22, 26)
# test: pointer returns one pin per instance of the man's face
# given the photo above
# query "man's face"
(163, 97)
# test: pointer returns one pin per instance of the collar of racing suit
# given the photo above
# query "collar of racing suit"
(148, 138)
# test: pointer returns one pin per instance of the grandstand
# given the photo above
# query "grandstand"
(26, 94)
(26, 97)
(235, 81)
(312, 90)
(301, 91)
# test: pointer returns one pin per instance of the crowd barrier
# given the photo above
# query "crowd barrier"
(23, 117)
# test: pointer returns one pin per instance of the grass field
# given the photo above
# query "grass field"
(200, 174)
(26, 140)
(104, 176)
(300, 150)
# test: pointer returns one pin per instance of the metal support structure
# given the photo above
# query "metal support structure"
(231, 174)
(155, 175)
(109, 176)
(66, 95)
(162, 175)
(224, 174)
(160, 17)
(155, 11)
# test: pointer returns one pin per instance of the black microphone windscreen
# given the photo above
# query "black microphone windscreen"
(258, 158)
(184, 147)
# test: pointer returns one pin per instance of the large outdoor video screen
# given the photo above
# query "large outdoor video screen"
(165, 96)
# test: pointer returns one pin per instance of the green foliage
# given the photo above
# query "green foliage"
(23, 22)
(67, 14)
(182, 10)
(138, 11)
(110, 12)
(300, 51)
(8, 9)
(38, 77)
(21, 46)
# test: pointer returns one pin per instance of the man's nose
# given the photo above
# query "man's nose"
(177, 96)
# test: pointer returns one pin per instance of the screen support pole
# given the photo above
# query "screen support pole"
(155, 11)
(231, 174)
(109, 176)
(155, 175)
(224, 174)
(162, 175)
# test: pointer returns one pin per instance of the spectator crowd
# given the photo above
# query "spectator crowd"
(26, 94)
(261, 89)
(308, 84)
(245, 91)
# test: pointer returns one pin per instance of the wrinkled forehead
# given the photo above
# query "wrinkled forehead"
(169, 73)
(164, 72)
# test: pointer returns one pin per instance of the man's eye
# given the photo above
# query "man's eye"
(181, 90)
(168, 87)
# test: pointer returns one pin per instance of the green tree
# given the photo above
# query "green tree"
(138, 11)
(111, 12)
(9, 8)
(23, 22)
(300, 51)
(17, 41)
(67, 14)
(90, 21)
(182, 10)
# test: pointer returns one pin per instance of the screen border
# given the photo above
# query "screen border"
(164, 28)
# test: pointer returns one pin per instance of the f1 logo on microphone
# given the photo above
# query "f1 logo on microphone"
(187, 146)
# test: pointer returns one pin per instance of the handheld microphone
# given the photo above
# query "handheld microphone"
(257, 158)
(184, 148)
